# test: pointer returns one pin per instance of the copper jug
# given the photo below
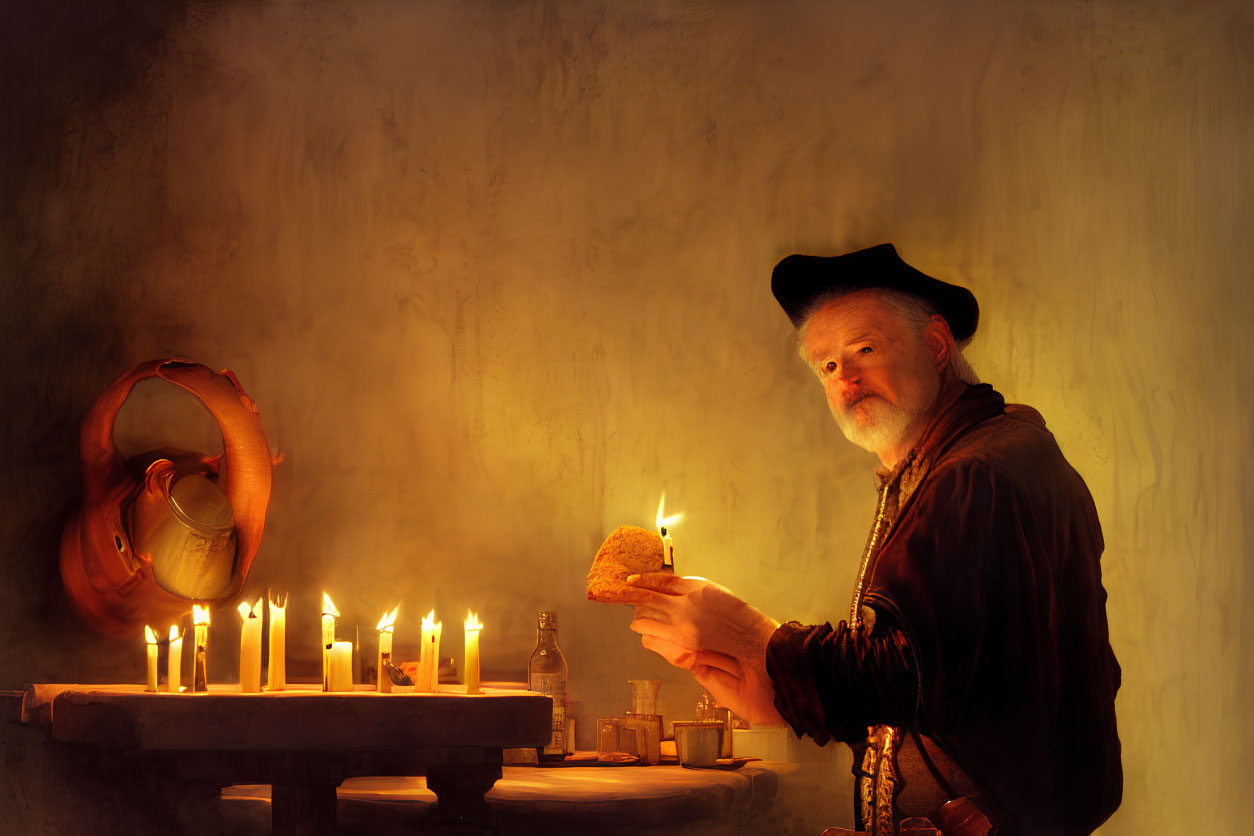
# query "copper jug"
(139, 553)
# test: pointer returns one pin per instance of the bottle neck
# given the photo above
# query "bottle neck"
(546, 626)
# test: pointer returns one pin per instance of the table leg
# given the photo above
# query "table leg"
(302, 809)
(459, 789)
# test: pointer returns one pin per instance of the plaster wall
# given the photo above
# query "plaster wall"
(497, 276)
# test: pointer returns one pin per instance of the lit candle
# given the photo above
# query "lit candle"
(340, 666)
(329, 614)
(429, 655)
(385, 650)
(277, 679)
(472, 653)
(433, 666)
(424, 649)
(200, 624)
(250, 647)
(174, 664)
(151, 638)
(668, 543)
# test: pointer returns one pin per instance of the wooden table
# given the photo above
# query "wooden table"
(305, 742)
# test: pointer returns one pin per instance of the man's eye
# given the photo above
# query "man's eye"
(866, 349)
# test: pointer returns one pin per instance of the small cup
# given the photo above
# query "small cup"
(698, 743)
(616, 735)
(644, 695)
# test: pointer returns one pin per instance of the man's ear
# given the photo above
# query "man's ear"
(939, 342)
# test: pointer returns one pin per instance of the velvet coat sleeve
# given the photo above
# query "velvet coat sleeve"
(833, 682)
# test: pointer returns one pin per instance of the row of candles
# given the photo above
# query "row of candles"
(337, 656)
(337, 671)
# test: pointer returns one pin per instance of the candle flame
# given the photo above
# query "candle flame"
(247, 610)
(174, 633)
(200, 615)
(472, 621)
(664, 521)
(327, 607)
(149, 635)
(388, 620)
(428, 620)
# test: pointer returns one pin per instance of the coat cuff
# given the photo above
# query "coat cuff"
(791, 670)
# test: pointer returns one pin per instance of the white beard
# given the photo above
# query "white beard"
(880, 426)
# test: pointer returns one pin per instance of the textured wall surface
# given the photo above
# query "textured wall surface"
(497, 276)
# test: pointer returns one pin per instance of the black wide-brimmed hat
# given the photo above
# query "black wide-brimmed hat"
(799, 280)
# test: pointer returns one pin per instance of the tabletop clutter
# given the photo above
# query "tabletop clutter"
(636, 737)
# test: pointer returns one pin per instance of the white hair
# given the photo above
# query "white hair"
(915, 311)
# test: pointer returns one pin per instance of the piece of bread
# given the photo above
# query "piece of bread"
(627, 551)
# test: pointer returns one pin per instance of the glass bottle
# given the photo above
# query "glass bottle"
(705, 708)
(546, 674)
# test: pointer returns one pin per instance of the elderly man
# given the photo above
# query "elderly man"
(973, 676)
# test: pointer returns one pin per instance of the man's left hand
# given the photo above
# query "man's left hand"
(700, 626)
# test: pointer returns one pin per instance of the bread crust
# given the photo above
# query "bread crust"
(627, 551)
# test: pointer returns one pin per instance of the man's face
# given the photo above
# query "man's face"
(880, 381)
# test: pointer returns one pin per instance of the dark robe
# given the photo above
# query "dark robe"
(992, 637)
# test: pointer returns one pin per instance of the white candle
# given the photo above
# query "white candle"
(250, 647)
(200, 627)
(472, 653)
(151, 638)
(340, 666)
(429, 655)
(174, 664)
(434, 667)
(424, 650)
(668, 542)
(385, 628)
(277, 679)
(329, 614)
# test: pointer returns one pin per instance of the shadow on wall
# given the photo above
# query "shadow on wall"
(62, 335)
